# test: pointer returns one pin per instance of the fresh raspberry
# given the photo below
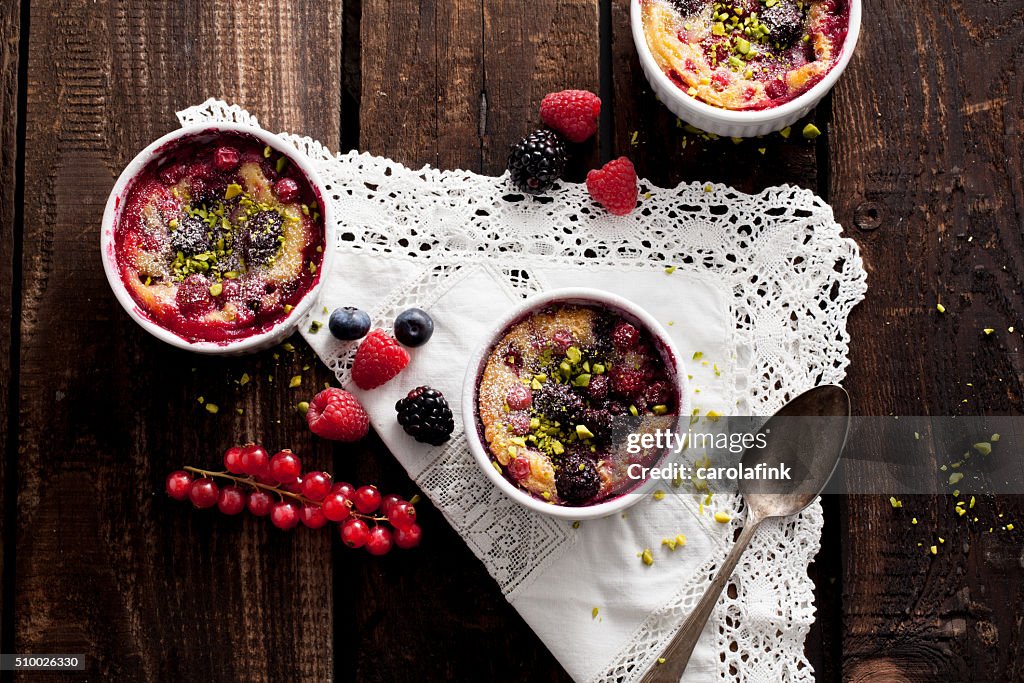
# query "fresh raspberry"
(573, 113)
(597, 390)
(519, 423)
(336, 414)
(614, 186)
(627, 381)
(562, 340)
(625, 336)
(378, 359)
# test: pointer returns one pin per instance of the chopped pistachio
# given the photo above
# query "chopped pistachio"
(811, 131)
(216, 288)
(593, 613)
(895, 502)
(281, 163)
(681, 540)
(647, 556)
(659, 494)
(633, 411)
(955, 477)
(988, 331)
(722, 517)
(1009, 527)
(315, 326)
(984, 447)
(267, 152)
(303, 407)
(212, 408)
(576, 524)
(913, 520)
(497, 467)
(713, 415)
(245, 379)
(670, 269)
(669, 543)
(994, 438)
(697, 355)
(288, 308)
(234, 189)
(583, 432)
(660, 409)
(786, 131)
(933, 550)
(296, 381)
(940, 308)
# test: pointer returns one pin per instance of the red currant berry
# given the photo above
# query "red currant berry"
(316, 485)
(519, 468)
(259, 503)
(379, 541)
(254, 459)
(293, 486)
(225, 159)
(343, 487)
(354, 533)
(519, 397)
(366, 499)
(387, 501)
(402, 515)
(336, 506)
(284, 515)
(233, 460)
(408, 537)
(287, 190)
(285, 467)
(313, 516)
(231, 500)
(178, 484)
(203, 493)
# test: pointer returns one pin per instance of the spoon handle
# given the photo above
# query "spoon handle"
(677, 652)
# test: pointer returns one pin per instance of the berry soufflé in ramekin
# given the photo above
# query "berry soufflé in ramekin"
(217, 239)
(558, 389)
(745, 54)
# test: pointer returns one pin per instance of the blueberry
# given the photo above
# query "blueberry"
(413, 327)
(349, 323)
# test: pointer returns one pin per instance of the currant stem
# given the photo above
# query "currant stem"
(249, 481)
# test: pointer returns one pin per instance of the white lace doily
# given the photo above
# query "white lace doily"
(784, 281)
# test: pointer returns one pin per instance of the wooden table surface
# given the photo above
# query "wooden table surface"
(921, 158)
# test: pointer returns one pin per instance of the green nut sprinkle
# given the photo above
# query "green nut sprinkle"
(647, 556)
(216, 288)
(267, 152)
(984, 447)
(303, 407)
(281, 163)
(811, 131)
(296, 381)
(212, 408)
(583, 432)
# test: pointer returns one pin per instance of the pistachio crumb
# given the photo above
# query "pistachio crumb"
(661, 660)
(295, 381)
(244, 379)
(940, 308)
(934, 550)
(994, 438)
(984, 447)
(647, 556)
(988, 331)
(576, 524)
(659, 494)
(895, 502)
(315, 326)
(670, 269)
(593, 613)
(212, 408)
(811, 131)
(955, 477)
(722, 517)
(913, 520)
(303, 407)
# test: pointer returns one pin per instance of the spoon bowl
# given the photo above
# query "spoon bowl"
(806, 436)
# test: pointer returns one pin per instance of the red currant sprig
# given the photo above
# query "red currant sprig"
(277, 487)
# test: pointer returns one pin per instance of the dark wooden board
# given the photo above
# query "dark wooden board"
(926, 161)
(10, 35)
(455, 88)
(107, 565)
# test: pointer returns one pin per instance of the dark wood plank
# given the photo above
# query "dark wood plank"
(442, 93)
(666, 152)
(107, 565)
(926, 160)
(10, 34)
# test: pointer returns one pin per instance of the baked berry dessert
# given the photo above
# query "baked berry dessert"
(745, 54)
(219, 239)
(556, 394)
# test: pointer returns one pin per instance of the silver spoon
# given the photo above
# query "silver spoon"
(811, 448)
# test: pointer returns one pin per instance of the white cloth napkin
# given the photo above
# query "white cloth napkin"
(762, 287)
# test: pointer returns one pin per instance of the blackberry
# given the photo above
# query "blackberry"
(537, 161)
(559, 402)
(425, 416)
(190, 236)
(784, 21)
(687, 7)
(599, 422)
(263, 237)
(576, 478)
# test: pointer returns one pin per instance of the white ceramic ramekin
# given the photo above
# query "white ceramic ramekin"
(738, 124)
(470, 417)
(116, 203)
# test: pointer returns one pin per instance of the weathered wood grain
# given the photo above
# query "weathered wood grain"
(455, 88)
(10, 35)
(107, 565)
(926, 160)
